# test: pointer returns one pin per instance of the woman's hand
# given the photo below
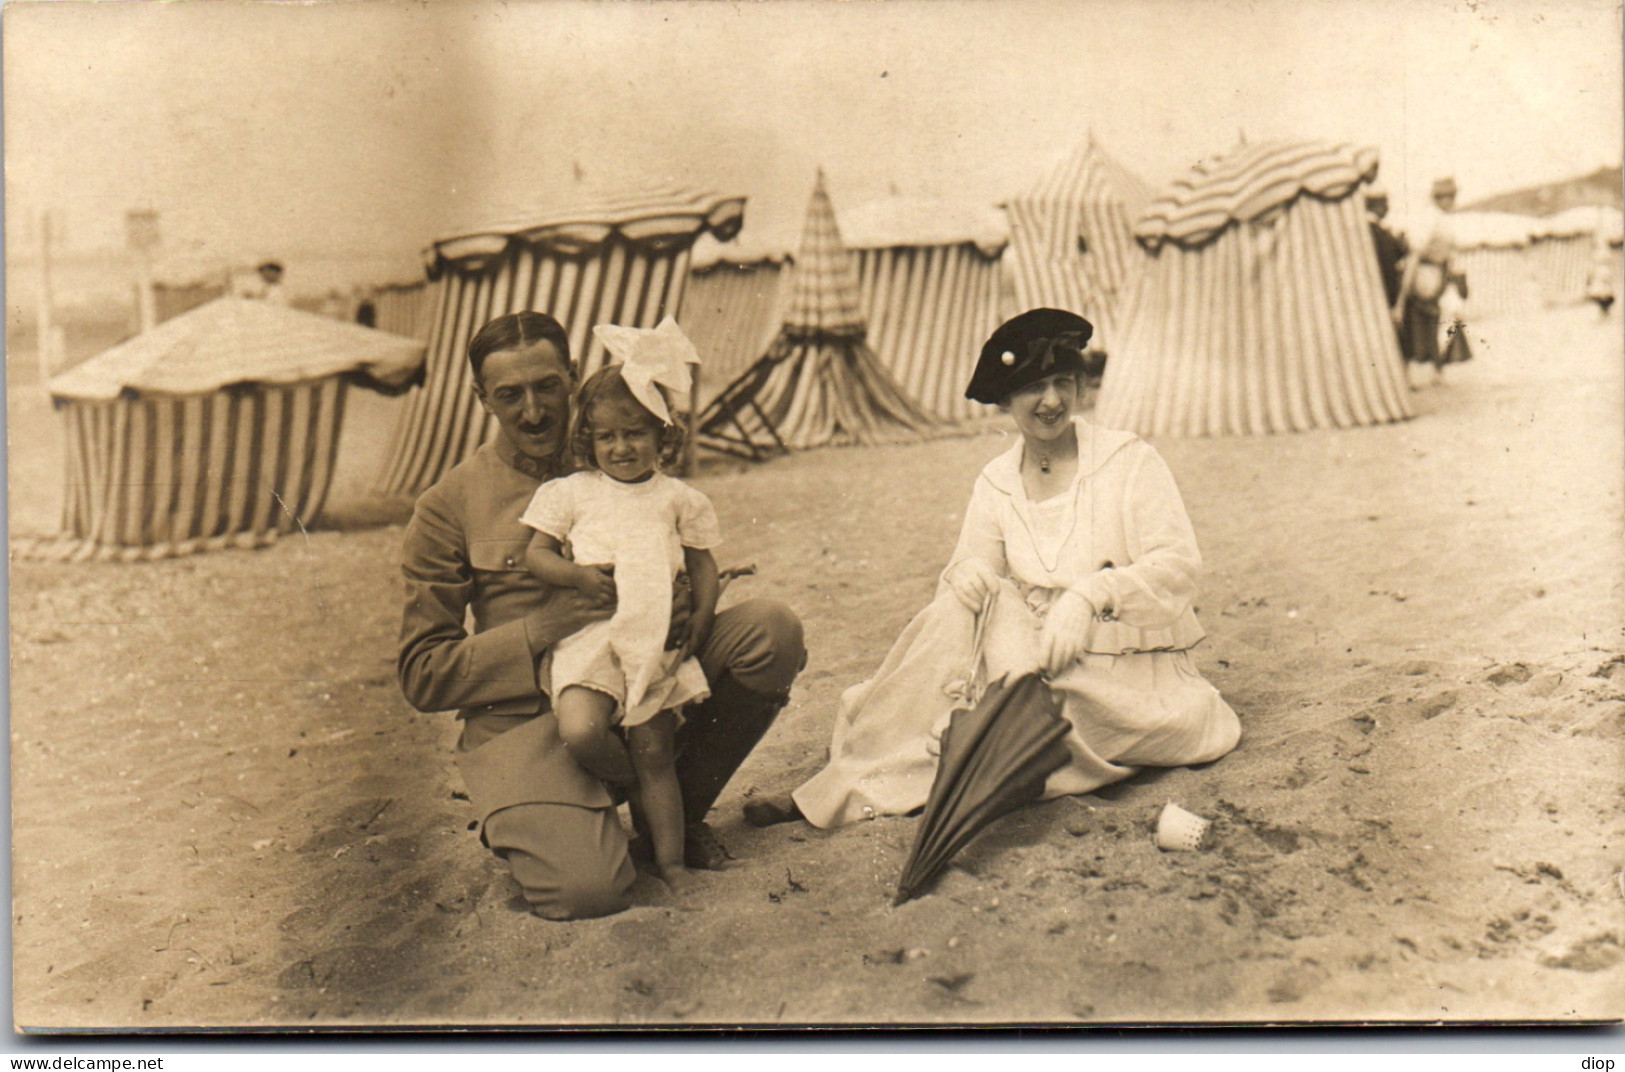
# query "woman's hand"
(1065, 627)
(971, 580)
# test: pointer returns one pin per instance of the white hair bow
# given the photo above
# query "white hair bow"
(651, 358)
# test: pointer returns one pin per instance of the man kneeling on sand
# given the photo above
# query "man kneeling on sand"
(553, 822)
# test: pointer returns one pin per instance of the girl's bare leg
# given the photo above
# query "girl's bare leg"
(655, 759)
(584, 724)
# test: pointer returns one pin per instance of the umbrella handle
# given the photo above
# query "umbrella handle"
(978, 666)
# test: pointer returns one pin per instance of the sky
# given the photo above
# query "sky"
(367, 128)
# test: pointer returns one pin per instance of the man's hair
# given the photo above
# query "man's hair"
(608, 385)
(515, 331)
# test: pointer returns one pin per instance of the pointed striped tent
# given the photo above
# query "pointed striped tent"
(1072, 240)
(1261, 309)
(612, 259)
(819, 384)
(928, 288)
(217, 428)
(734, 305)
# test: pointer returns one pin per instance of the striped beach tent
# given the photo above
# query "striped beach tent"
(404, 308)
(734, 305)
(1072, 240)
(1612, 234)
(172, 299)
(928, 288)
(618, 258)
(819, 384)
(1561, 248)
(217, 428)
(1492, 252)
(1260, 308)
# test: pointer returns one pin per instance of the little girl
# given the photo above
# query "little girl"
(630, 530)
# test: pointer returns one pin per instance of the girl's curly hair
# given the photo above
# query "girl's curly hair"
(607, 384)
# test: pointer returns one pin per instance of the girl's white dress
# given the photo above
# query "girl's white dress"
(1121, 537)
(640, 529)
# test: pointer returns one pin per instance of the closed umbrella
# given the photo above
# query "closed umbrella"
(995, 756)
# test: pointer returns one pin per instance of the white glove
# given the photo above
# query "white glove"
(1061, 642)
(971, 580)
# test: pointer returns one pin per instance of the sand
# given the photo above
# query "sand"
(224, 814)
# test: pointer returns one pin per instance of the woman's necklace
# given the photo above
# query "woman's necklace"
(1047, 453)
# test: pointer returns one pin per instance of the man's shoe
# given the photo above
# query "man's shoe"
(703, 850)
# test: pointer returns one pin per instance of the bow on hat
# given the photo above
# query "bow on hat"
(651, 358)
(1042, 352)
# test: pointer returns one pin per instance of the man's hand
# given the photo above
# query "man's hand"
(597, 584)
(695, 628)
(682, 609)
(565, 612)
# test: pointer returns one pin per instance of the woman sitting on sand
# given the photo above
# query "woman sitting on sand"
(1080, 536)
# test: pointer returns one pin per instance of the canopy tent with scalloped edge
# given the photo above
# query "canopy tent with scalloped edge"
(819, 384)
(402, 308)
(928, 288)
(734, 304)
(1519, 264)
(217, 428)
(1260, 308)
(616, 258)
(1492, 253)
(1072, 240)
(1562, 248)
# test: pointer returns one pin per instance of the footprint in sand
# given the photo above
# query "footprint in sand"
(1509, 674)
(1596, 953)
(1416, 668)
(1437, 704)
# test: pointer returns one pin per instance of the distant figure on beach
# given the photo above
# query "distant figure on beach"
(633, 531)
(1427, 272)
(1600, 280)
(267, 287)
(1390, 245)
(1453, 345)
(1080, 536)
(477, 624)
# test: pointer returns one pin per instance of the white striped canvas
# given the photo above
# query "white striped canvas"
(599, 269)
(1274, 323)
(154, 477)
(1071, 241)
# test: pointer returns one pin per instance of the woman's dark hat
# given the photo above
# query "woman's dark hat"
(1027, 348)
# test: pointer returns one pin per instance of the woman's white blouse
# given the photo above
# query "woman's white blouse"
(1119, 537)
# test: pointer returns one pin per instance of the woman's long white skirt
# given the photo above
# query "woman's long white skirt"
(1143, 709)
